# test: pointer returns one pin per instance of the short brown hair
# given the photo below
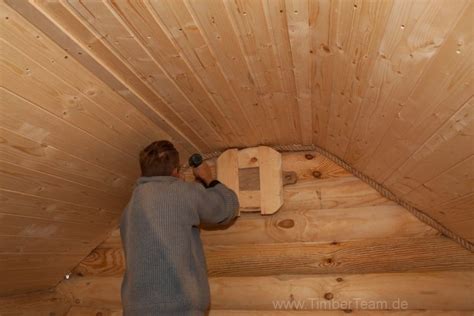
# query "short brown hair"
(159, 158)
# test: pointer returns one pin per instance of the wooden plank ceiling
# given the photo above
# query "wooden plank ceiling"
(385, 85)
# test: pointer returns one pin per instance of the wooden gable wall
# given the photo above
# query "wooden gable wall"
(335, 241)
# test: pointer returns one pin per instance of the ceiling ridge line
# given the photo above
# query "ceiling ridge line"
(380, 188)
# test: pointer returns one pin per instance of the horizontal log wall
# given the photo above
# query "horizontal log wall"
(334, 240)
(433, 290)
(86, 311)
(363, 256)
(43, 303)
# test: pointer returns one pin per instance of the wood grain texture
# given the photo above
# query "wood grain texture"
(320, 225)
(271, 180)
(385, 85)
(31, 280)
(424, 291)
(25, 118)
(42, 184)
(39, 156)
(94, 56)
(365, 256)
(339, 313)
(260, 292)
(15, 244)
(149, 65)
(227, 169)
(40, 303)
(86, 311)
(456, 214)
(34, 206)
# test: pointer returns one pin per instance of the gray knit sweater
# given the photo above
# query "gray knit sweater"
(165, 266)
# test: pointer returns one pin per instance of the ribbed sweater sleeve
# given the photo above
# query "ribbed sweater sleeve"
(217, 205)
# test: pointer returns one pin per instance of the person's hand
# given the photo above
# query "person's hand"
(203, 172)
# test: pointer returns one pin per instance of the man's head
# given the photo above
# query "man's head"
(159, 159)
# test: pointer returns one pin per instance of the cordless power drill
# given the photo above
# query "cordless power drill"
(195, 161)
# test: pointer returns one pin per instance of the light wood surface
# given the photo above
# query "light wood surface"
(267, 193)
(271, 181)
(384, 85)
(364, 256)
(335, 240)
(86, 311)
(39, 303)
(429, 290)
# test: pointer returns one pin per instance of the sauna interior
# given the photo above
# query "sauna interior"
(369, 103)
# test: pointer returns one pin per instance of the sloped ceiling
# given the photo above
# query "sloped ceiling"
(385, 85)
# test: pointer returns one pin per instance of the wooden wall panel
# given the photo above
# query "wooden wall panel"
(26, 205)
(438, 96)
(182, 29)
(447, 291)
(68, 154)
(366, 250)
(313, 225)
(357, 35)
(85, 311)
(30, 121)
(384, 85)
(36, 155)
(437, 154)
(94, 56)
(457, 215)
(321, 66)
(445, 288)
(130, 46)
(260, 259)
(46, 303)
(411, 51)
(215, 25)
(297, 18)
(42, 184)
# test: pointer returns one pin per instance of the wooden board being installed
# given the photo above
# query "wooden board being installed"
(269, 198)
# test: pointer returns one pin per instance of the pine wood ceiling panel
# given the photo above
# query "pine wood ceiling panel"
(413, 37)
(184, 31)
(129, 43)
(68, 157)
(386, 85)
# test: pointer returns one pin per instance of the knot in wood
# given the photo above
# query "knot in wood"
(309, 156)
(253, 159)
(329, 296)
(317, 174)
(286, 223)
(339, 279)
